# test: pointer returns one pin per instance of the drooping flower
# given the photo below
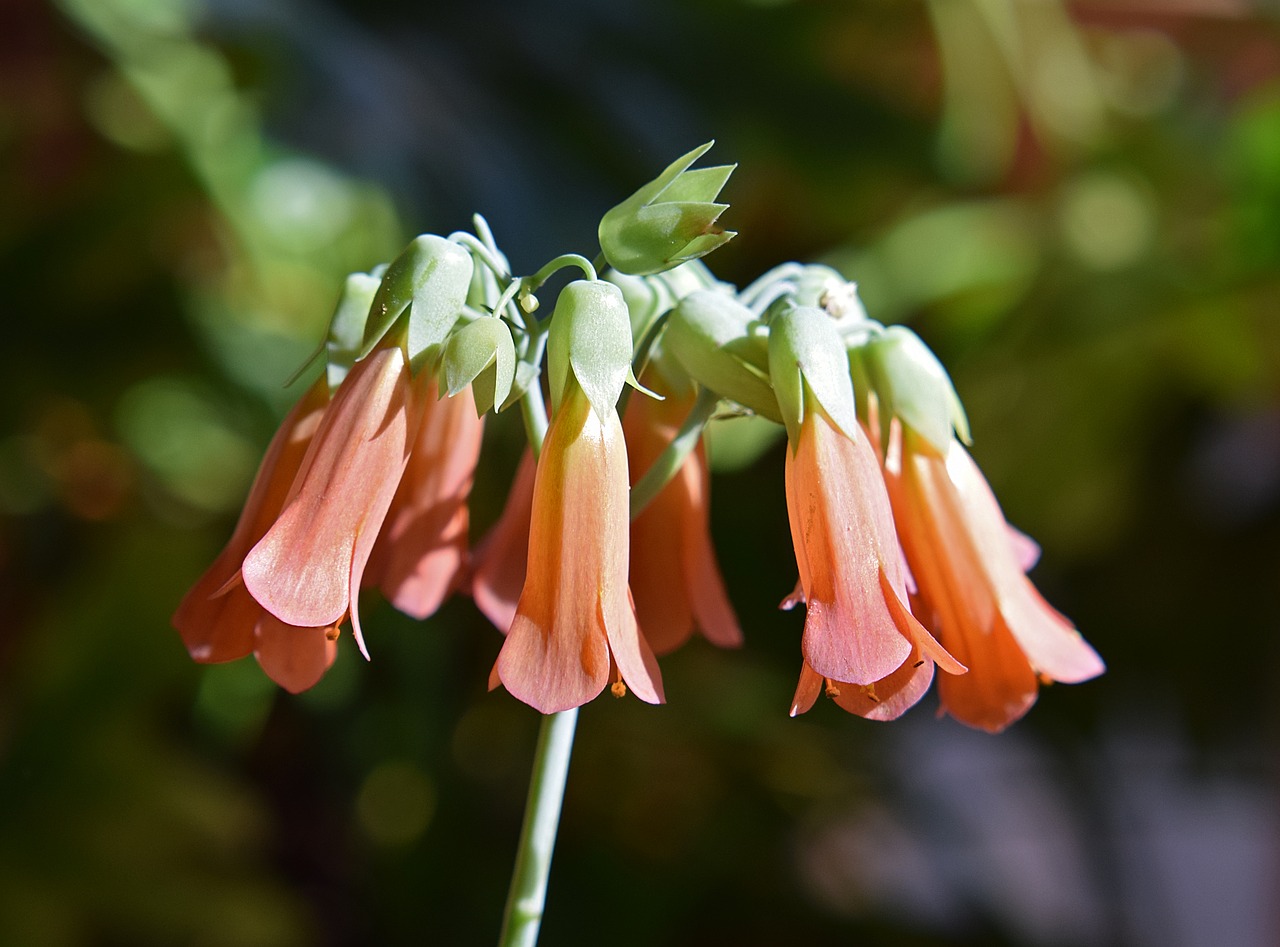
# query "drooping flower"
(218, 619)
(674, 577)
(306, 569)
(422, 547)
(575, 625)
(858, 631)
(972, 591)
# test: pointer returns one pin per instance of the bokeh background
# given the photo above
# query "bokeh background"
(1077, 204)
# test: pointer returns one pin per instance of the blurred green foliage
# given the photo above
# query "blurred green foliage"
(1076, 204)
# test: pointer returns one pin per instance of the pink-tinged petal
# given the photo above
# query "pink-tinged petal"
(842, 530)
(422, 546)
(795, 598)
(925, 643)
(295, 658)
(807, 690)
(217, 616)
(892, 696)
(1025, 549)
(502, 557)
(1001, 688)
(674, 575)
(301, 570)
(632, 655)
(1050, 642)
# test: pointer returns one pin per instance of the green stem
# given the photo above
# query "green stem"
(528, 894)
(669, 461)
(534, 282)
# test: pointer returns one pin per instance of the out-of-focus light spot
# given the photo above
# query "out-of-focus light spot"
(1065, 93)
(121, 116)
(301, 202)
(1108, 220)
(1140, 71)
(490, 744)
(234, 699)
(396, 803)
(178, 435)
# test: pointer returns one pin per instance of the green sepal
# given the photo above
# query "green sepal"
(911, 385)
(346, 328)
(431, 277)
(590, 336)
(807, 356)
(482, 355)
(670, 220)
(718, 341)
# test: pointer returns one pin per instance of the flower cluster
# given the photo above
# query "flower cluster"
(602, 557)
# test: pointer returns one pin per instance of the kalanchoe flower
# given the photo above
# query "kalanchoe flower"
(668, 221)
(968, 567)
(575, 627)
(501, 559)
(422, 547)
(674, 576)
(858, 630)
(307, 568)
(218, 619)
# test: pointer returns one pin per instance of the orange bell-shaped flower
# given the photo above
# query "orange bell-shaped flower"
(218, 619)
(575, 627)
(501, 559)
(422, 547)
(972, 591)
(858, 632)
(307, 568)
(674, 576)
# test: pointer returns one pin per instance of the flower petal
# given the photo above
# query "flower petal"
(295, 658)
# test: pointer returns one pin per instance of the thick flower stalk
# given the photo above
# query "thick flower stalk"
(218, 619)
(972, 590)
(674, 576)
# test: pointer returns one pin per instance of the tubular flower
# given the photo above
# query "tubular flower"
(502, 557)
(858, 633)
(674, 576)
(575, 626)
(307, 568)
(968, 567)
(218, 619)
(422, 547)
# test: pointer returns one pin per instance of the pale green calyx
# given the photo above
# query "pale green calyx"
(721, 344)
(591, 337)
(346, 330)
(482, 355)
(669, 221)
(911, 385)
(430, 278)
(807, 359)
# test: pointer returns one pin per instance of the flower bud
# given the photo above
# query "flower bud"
(482, 355)
(431, 278)
(590, 336)
(807, 354)
(911, 385)
(668, 221)
(714, 337)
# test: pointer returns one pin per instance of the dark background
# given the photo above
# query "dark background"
(1076, 204)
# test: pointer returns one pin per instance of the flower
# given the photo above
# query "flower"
(218, 619)
(674, 577)
(575, 627)
(422, 546)
(858, 632)
(972, 590)
(306, 569)
(502, 558)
